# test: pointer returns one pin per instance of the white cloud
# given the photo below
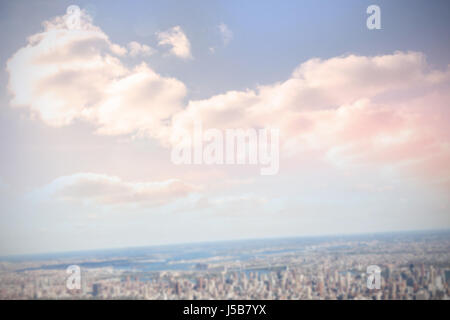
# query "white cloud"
(139, 103)
(379, 109)
(226, 33)
(137, 49)
(176, 38)
(63, 75)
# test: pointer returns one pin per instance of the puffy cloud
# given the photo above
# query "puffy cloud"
(316, 85)
(137, 49)
(104, 189)
(63, 75)
(139, 103)
(175, 37)
(382, 110)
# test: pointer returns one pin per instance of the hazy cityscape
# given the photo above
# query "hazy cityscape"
(414, 266)
(224, 150)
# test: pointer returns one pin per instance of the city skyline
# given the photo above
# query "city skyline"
(410, 266)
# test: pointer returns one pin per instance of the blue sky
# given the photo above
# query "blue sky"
(361, 160)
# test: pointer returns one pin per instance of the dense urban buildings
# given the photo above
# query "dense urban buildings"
(414, 266)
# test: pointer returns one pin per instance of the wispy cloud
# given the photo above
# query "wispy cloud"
(110, 190)
(226, 33)
(137, 49)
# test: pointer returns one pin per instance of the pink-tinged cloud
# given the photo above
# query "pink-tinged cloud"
(388, 110)
(111, 190)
